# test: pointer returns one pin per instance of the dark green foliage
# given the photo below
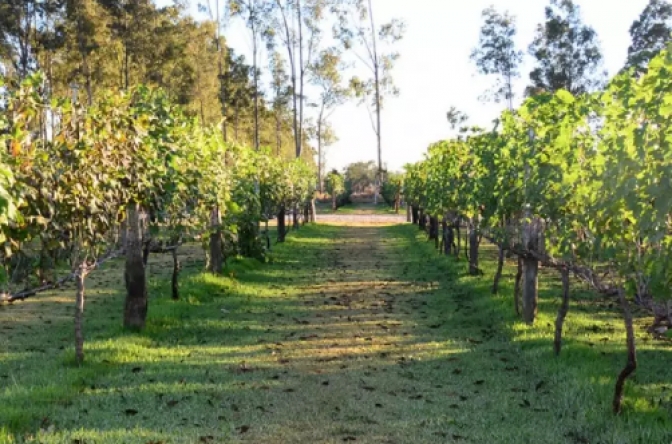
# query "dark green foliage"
(391, 190)
(567, 52)
(359, 176)
(650, 34)
(496, 53)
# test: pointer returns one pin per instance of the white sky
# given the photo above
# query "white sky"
(435, 72)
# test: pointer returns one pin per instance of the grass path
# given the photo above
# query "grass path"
(351, 334)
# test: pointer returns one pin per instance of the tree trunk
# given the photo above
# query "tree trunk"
(415, 214)
(396, 203)
(333, 202)
(306, 212)
(135, 308)
(448, 238)
(530, 289)
(278, 130)
(473, 251)
(295, 218)
(631, 364)
(176, 272)
(422, 222)
(500, 267)
(434, 230)
(376, 77)
(313, 211)
(516, 288)
(562, 311)
(409, 214)
(256, 89)
(216, 261)
(145, 251)
(532, 241)
(458, 235)
(281, 224)
(79, 317)
(319, 150)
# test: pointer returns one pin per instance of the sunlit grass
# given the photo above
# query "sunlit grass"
(346, 333)
(356, 208)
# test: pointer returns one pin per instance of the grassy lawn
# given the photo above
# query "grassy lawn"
(349, 334)
(356, 208)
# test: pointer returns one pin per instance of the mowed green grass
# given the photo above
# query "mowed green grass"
(349, 334)
(356, 209)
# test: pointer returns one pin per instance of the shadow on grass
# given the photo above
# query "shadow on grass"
(359, 332)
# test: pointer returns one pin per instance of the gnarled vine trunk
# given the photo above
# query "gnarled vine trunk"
(498, 273)
(434, 230)
(415, 214)
(631, 364)
(281, 224)
(473, 250)
(306, 212)
(135, 307)
(295, 218)
(174, 283)
(448, 238)
(216, 256)
(516, 288)
(532, 241)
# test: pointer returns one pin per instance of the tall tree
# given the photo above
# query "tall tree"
(357, 30)
(567, 52)
(215, 12)
(21, 22)
(298, 24)
(650, 34)
(281, 95)
(255, 13)
(496, 53)
(326, 75)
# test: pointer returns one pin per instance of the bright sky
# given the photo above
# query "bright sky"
(435, 72)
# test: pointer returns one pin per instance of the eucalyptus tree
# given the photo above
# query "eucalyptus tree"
(650, 34)
(217, 17)
(281, 95)
(372, 45)
(326, 75)
(297, 25)
(255, 14)
(566, 51)
(496, 53)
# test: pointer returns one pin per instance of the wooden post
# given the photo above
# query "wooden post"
(533, 242)
(135, 308)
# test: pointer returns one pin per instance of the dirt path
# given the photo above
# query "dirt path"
(356, 366)
(357, 219)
